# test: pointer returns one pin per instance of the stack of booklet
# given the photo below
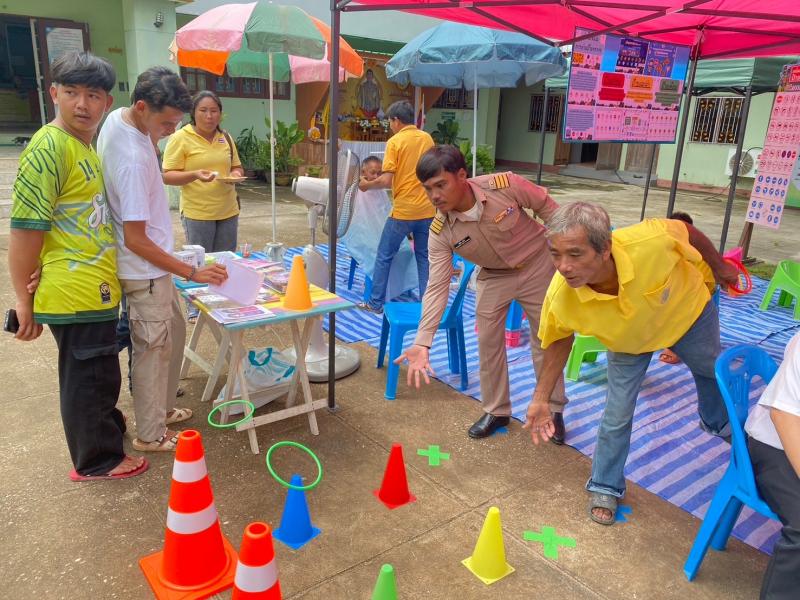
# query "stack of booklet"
(224, 310)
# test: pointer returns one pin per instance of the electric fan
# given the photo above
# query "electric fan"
(314, 192)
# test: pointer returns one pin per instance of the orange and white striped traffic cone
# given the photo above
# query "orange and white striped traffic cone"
(257, 571)
(197, 561)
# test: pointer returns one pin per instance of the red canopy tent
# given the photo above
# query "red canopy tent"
(713, 28)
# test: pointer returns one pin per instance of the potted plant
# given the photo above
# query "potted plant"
(285, 136)
(248, 146)
(482, 154)
(446, 132)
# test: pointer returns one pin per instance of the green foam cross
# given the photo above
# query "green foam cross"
(550, 540)
(434, 455)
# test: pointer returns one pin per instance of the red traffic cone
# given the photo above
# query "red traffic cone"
(197, 561)
(257, 570)
(394, 489)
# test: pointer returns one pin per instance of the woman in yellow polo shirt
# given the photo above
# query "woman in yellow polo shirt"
(195, 155)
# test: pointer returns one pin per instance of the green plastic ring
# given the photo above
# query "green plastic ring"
(300, 488)
(247, 403)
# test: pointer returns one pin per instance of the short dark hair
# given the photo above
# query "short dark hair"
(198, 97)
(401, 110)
(682, 216)
(440, 158)
(371, 159)
(83, 68)
(160, 87)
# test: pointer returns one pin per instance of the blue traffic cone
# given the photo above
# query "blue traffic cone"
(296, 529)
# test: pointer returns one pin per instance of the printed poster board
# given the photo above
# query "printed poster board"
(624, 89)
(778, 167)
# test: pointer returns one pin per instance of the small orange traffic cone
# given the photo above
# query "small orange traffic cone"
(257, 571)
(394, 489)
(197, 561)
(298, 296)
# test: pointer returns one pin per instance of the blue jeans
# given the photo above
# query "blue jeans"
(698, 349)
(394, 232)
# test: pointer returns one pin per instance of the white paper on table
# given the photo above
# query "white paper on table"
(242, 284)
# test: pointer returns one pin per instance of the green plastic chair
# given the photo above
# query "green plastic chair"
(787, 280)
(584, 349)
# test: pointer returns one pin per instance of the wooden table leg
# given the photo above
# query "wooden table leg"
(300, 346)
(237, 351)
(190, 351)
(219, 363)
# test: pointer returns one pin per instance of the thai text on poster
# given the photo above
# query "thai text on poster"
(624, 89)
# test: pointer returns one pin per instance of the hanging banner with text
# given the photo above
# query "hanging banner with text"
(624, 89)
(778, 176)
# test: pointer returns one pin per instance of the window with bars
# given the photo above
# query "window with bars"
(554, 104)
(455, 98)
(234, 87)
(716, 120)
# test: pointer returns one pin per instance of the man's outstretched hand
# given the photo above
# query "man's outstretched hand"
(417, 357)
(539, 422)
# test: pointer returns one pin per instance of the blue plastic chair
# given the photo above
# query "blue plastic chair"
(401, 317)
(735, 369)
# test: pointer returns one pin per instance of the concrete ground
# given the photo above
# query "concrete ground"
(66, 540)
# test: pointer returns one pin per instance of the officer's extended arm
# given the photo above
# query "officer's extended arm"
(534, 197)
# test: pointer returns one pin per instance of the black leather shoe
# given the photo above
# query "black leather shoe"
(559, 433)
(486, 426)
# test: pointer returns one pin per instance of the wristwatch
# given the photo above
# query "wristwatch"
(191, 274)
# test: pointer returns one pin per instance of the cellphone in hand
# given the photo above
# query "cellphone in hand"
(11, 323)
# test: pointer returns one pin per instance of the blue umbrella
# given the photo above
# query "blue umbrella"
(453, 55)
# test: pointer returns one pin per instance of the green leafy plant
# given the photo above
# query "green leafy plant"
(248, 146)
(446, 132)
(482, 154)
(286, 136)
(314, 171)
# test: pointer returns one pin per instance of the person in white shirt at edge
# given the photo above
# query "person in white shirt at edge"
(773, 430)
(145, 263)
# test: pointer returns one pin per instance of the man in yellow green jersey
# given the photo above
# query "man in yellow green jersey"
(61, 222)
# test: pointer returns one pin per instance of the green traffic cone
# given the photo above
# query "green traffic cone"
(386, 586)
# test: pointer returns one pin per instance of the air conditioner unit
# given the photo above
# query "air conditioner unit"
(748, 166)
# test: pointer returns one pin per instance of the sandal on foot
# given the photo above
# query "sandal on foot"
(600, 500)
(75, 476)
(176, 415)
(162, 444)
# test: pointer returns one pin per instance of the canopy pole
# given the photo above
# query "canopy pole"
(475, 124)
(272, 152)
(736, 160)
(647, 181)
(333, 167)
(676, 171)
(542, 131)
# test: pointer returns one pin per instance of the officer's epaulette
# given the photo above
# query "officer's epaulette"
(499, 181)
(437, 223)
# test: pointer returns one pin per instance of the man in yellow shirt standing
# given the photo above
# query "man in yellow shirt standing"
(638, 289)
(411, 211)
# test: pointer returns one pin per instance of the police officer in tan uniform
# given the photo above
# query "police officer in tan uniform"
(483, 220)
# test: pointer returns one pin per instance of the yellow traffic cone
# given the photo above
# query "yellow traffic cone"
(488, 560)
(298, 296)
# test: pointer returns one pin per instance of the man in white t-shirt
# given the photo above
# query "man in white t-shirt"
(774, 442)
(145, 263)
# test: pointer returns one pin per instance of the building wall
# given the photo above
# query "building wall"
(488, 103)
(514, 141)
(704, 164)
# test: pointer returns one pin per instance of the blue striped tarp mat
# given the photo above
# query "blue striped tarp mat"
(670, 455)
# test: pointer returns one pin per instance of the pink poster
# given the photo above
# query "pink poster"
(624, 89)
(779, 164)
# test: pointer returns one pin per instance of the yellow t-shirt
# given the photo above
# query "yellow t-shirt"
(59, 190)
(661, 293)
(187, 150)
(403, 150)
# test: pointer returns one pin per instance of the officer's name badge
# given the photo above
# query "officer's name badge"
(437, 224)
(462, 242)
(503, 214)
(499, 181)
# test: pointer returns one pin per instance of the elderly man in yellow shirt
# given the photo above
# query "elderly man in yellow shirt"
(637, 289)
